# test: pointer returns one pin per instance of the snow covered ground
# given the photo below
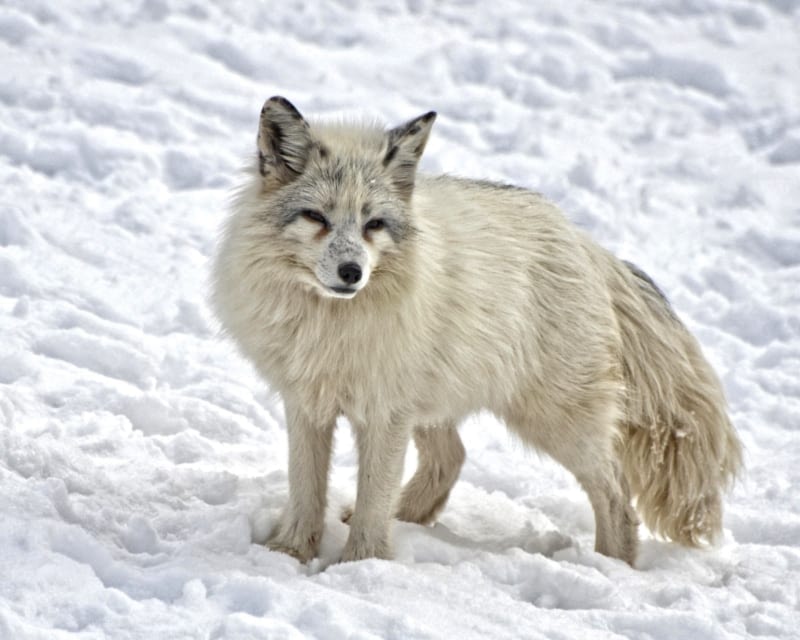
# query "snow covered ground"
(142, 462)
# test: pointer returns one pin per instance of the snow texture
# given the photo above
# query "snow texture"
(142, 463)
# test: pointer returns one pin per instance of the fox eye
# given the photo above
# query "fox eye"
(315, 216)
(375, 224)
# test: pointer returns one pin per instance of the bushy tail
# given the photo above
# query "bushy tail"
(679, 450)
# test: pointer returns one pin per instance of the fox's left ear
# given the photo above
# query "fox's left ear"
(404, 147)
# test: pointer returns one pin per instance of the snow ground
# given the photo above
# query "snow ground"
(141, 461)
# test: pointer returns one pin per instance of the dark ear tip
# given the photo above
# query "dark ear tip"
(428, 117)
(283, 103)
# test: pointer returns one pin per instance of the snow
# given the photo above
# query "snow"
(143, 464)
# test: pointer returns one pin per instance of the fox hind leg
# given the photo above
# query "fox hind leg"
(586, 443)
(616, 523)
(441, 455)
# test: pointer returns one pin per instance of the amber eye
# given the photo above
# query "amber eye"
(375, 224)
(315, 216)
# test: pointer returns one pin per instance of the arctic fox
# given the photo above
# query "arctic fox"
(406, 302)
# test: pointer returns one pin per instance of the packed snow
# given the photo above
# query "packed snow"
(143, 463)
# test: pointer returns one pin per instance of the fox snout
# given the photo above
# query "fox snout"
(344, 267)
(350, 274)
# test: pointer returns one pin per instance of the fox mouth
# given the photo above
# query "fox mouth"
(343, 292)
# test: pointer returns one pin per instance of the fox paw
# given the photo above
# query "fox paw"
(361, 548)
(299, 545)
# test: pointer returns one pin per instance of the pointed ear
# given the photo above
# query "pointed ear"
(405, 145)
(284, 142)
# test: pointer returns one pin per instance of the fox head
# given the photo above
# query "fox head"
(338, 195)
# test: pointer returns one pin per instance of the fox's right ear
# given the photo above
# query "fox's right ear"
(284, 142)
(404, 146)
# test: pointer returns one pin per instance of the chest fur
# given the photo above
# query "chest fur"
(345, 360)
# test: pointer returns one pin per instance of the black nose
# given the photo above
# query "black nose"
(349, 272)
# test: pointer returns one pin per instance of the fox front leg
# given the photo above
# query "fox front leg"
(381, 451)
(299, 530)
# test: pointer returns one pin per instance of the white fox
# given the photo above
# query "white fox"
(406, 302)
